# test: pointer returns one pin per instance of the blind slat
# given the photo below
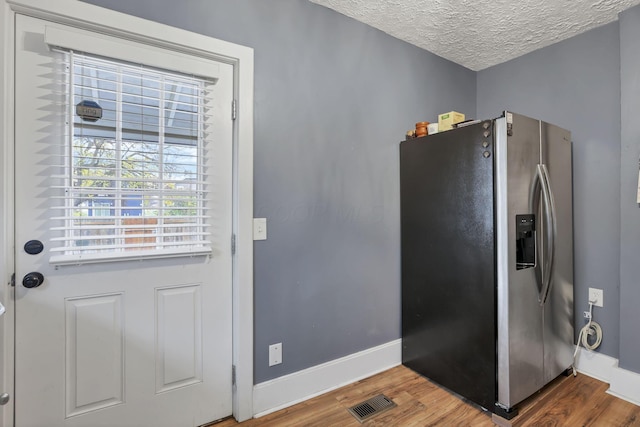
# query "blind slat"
(131, 195)
(132, 179)
(88, 227)
(88, 249)
(102, 218)
(127, 237)
(129, 255)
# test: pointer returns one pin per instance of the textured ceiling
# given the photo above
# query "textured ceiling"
(479, 34)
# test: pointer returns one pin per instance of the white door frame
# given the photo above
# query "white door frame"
(94, 18)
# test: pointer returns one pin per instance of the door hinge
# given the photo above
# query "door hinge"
(233, 374)
(234, 109)
(13, 280)
(233, 244)
(509, 117)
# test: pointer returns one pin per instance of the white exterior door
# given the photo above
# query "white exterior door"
(125, 342)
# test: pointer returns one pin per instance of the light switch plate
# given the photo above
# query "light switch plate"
(259, 228)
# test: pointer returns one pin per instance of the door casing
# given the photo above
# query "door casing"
(93, 18)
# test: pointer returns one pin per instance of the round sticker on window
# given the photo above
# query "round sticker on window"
(89, 111)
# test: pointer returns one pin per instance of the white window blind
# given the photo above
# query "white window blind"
(133, 184)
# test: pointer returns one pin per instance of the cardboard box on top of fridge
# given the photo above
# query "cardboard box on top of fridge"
(447, 120)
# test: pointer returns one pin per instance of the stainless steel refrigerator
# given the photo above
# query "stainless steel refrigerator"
(487, 258)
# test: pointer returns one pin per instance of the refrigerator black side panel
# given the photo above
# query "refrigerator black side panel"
(448, 259)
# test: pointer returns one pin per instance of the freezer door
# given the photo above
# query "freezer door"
(558, 308)
(448, 260)
(520, 336)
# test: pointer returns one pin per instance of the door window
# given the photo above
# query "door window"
(134, 164)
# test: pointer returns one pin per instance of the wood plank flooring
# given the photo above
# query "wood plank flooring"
(579, 401)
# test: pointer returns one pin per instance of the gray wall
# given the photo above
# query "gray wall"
(630, 210)
(575, 84)
(333, 97)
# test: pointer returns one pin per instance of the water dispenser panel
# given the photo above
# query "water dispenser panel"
(525, 241)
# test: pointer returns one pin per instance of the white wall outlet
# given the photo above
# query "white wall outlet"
(275, 354)
(596, 297)
(259, 228)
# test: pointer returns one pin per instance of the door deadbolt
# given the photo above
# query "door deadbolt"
(32, 280)
(33, 247)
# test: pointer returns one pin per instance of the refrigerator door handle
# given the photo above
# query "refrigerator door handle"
(549, 218)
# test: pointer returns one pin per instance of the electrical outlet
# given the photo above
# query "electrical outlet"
(275, 354)
(596, 297)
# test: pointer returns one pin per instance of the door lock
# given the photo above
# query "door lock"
(33, 247)
(32, 280)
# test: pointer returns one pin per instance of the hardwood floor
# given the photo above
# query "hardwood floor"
(579, 401)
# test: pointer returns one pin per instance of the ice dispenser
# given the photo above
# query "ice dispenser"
(525, 241)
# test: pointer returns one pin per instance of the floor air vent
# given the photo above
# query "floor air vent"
(372, 407)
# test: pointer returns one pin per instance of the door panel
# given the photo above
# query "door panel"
(179, 337)
(127, 343)
(94, 357)
(558, 311)
(519, 313)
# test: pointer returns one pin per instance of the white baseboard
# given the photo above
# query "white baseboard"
(596, 365)
(279, 393)
(285, 391)
(623, 384)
